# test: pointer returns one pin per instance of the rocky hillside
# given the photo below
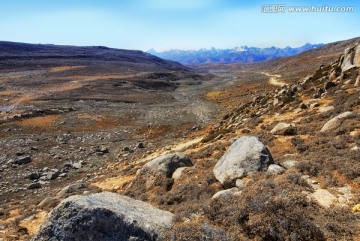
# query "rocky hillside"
(281, 164)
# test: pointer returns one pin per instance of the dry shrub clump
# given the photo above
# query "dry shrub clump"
(270, 210)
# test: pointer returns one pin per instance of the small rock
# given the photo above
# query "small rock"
(329, 85)
(76, 165)
(103, 150)
(227, 193)
(284, 129)
(303, 106)
(33, 176)
(289, 164)
(34, 185)
(140, 145)
(275, 169)
(62, 175)
(313, 105)
(22, 160)
(355, 148)
(239, 183)
(52, 175)
(344, 190)
(250, 182)
(324, 197)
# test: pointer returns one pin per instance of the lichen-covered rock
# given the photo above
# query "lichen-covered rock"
(247, 154)
(104, 216)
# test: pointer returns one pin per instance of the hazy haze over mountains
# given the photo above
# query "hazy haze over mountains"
(243, 54)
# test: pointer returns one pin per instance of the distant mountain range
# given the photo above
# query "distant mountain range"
(241, 54)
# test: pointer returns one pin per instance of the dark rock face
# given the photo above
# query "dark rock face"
(104, 216)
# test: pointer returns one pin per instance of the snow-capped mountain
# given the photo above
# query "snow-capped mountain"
(242, 54)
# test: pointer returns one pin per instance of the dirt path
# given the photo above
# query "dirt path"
(274, 79)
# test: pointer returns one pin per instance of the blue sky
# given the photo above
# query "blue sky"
(173, 24)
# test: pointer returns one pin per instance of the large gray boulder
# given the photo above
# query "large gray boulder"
(247, 154)
(162, 167)
(337, 121)
(104, 216)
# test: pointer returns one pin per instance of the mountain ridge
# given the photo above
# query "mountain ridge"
(242, 54)
(16, 54)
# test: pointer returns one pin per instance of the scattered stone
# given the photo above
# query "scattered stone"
(34, 185)
(284, 129)
(104, 216)
(62, 175)
(303, 106)
(239, 183)
(337, 121)
(329, 85)
(247, 154)
(227, 193)
(67, 165)
(275, 169)
(355, 148)
(126, 149)
(324, 197)
(103, 150)
(140, 145)
(33, 176)
(76, 165)
(52, 175)
(23, 160)
(289, 164)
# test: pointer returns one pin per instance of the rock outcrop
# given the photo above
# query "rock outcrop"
(104, 216)
(351, 58)
(247, 154)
